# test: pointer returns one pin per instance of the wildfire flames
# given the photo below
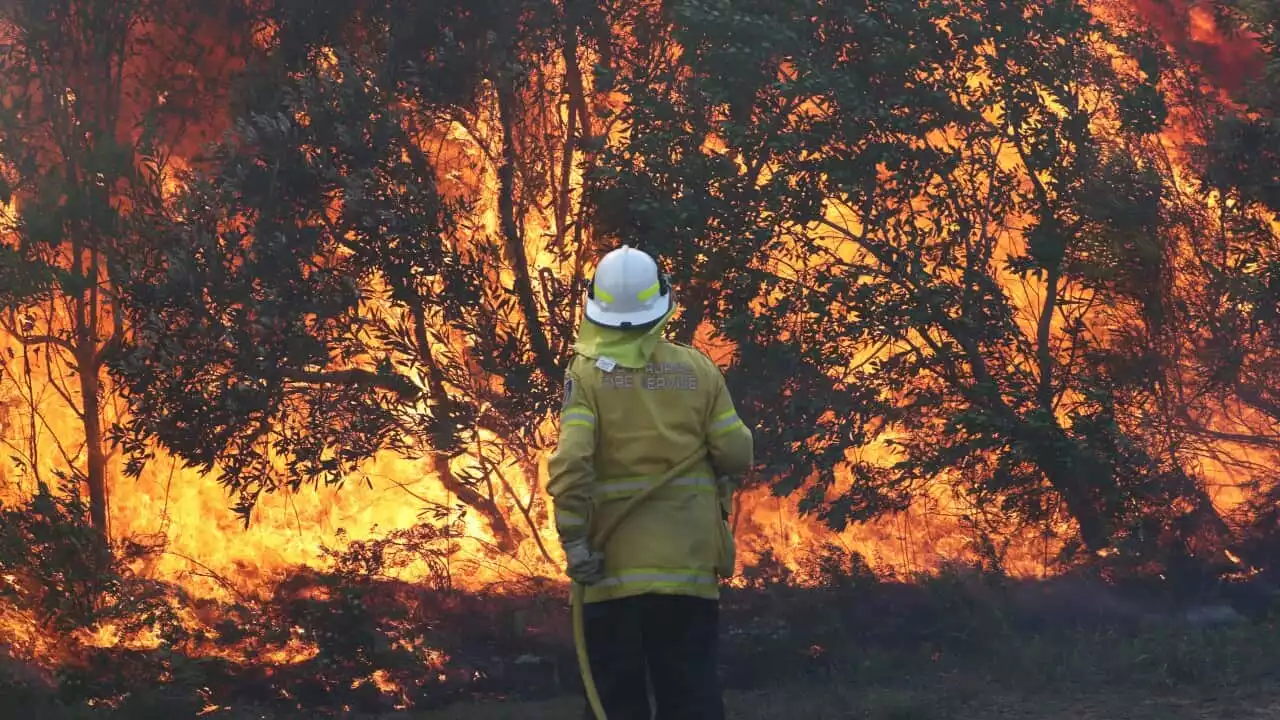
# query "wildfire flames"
(206, 549)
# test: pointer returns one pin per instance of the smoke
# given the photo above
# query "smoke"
(1228, 55)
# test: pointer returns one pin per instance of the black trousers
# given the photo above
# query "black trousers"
(664, 641)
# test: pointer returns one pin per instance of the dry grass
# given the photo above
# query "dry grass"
(977, 666)
(833, 701)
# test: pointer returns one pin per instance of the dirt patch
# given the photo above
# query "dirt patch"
(836, 702)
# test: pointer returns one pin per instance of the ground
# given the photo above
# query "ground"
(972, 664)
(934, 703)
(944, 651)
(955, 647)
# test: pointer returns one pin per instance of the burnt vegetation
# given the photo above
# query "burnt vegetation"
(1013, 262)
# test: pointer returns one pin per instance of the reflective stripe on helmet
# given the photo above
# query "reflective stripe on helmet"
(627, 290)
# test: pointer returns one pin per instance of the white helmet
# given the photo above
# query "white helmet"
(627, 290)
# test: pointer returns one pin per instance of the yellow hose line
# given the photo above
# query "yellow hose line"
(578, 590)
(584, 662)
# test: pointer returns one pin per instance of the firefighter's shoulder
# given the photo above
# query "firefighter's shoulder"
(697, 357)
(580, 365)
(689, 349)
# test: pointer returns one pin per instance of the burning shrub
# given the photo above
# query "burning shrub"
(61, 573)
(767, 571)
(353, 638)
(383, 557)
(54, 563)
(356, 627)
(1259, 538)
(21, 683)
(837, 567)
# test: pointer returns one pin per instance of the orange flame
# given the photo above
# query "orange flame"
(207, 552)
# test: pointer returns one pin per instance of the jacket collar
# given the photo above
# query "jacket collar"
(628, 348)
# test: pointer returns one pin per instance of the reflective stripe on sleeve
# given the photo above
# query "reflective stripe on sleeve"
(725, 423)
(564, 518)
(578, 418)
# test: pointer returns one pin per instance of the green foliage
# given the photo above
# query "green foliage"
(943, 228)
(834, 121)
(22, 280)
(263, 360)
(93, 112)
(300, 313)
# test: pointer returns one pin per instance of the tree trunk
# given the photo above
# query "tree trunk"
(694, 311)
(1044, 351)
(1071, 473)
(573, 87)
(1094, 532)
(488, 509)
(502, 532)
(96, 470)
(579, 135)
(513, 239)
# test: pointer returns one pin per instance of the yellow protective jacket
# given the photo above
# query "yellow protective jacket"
(636, 405)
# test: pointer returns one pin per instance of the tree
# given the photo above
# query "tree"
(358, 270)
(1229, 395)
(933, 225)
(911, 220)
(1239, 252)
(92, 115)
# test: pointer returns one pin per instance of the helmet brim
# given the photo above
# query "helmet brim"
(600, 316)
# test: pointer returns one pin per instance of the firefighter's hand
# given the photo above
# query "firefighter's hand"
(726, 485)
(585, 566)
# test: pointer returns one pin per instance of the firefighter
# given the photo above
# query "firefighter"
(635, 405)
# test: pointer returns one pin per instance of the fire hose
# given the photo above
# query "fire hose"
(598, 540)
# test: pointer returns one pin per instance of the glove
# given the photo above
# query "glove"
(585, 566)
(726, 485)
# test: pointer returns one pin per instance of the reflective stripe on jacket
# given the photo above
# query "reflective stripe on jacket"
(620, 431)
